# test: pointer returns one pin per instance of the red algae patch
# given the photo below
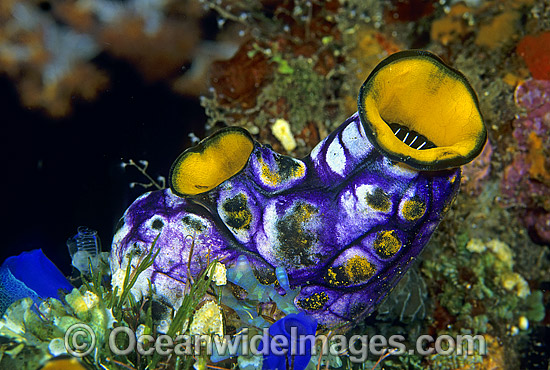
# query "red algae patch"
(535, 50)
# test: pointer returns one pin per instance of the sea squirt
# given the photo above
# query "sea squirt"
(344, 222)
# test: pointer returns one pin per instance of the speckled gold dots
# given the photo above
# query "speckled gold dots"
(314, 302)
(355, 270)
(359, 269)
(332, 278)
(268, 176)
(286, 169)
(336, 277)
(237, 213)
(413, 209)
(387, 244)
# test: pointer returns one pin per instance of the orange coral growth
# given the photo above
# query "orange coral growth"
(513, 79)
(502, 28)
(535, 50)
(452, 26)
(537, 159)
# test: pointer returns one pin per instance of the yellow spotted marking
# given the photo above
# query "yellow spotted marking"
(299, 172)
(303, 212)
(314, 302)
(387, 244)
(413, 209)
(331, 274)
(335, 279)
(292, 170)
(266, 276)
(269, 177)
(237, 213)
(359, 268)
(379, 200)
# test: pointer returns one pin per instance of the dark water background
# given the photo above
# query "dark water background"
(61, 174)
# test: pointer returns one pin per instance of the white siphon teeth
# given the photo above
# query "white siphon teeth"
(411, 137)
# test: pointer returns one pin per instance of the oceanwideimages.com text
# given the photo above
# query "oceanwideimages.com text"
(80, 341)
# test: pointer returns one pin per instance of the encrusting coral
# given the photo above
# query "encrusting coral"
(526, 181)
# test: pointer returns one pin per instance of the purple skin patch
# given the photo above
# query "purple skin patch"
(345, 222)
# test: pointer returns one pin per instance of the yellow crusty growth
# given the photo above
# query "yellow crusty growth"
(269, 177)
(415, 89)
(303, 212)
(207, 320)
(242, 217)
(237, 213)
(359, 269)
(211, 162)
(413, 209)
(387, 244)
(274, 177)
(332, 278)
(314, 302)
